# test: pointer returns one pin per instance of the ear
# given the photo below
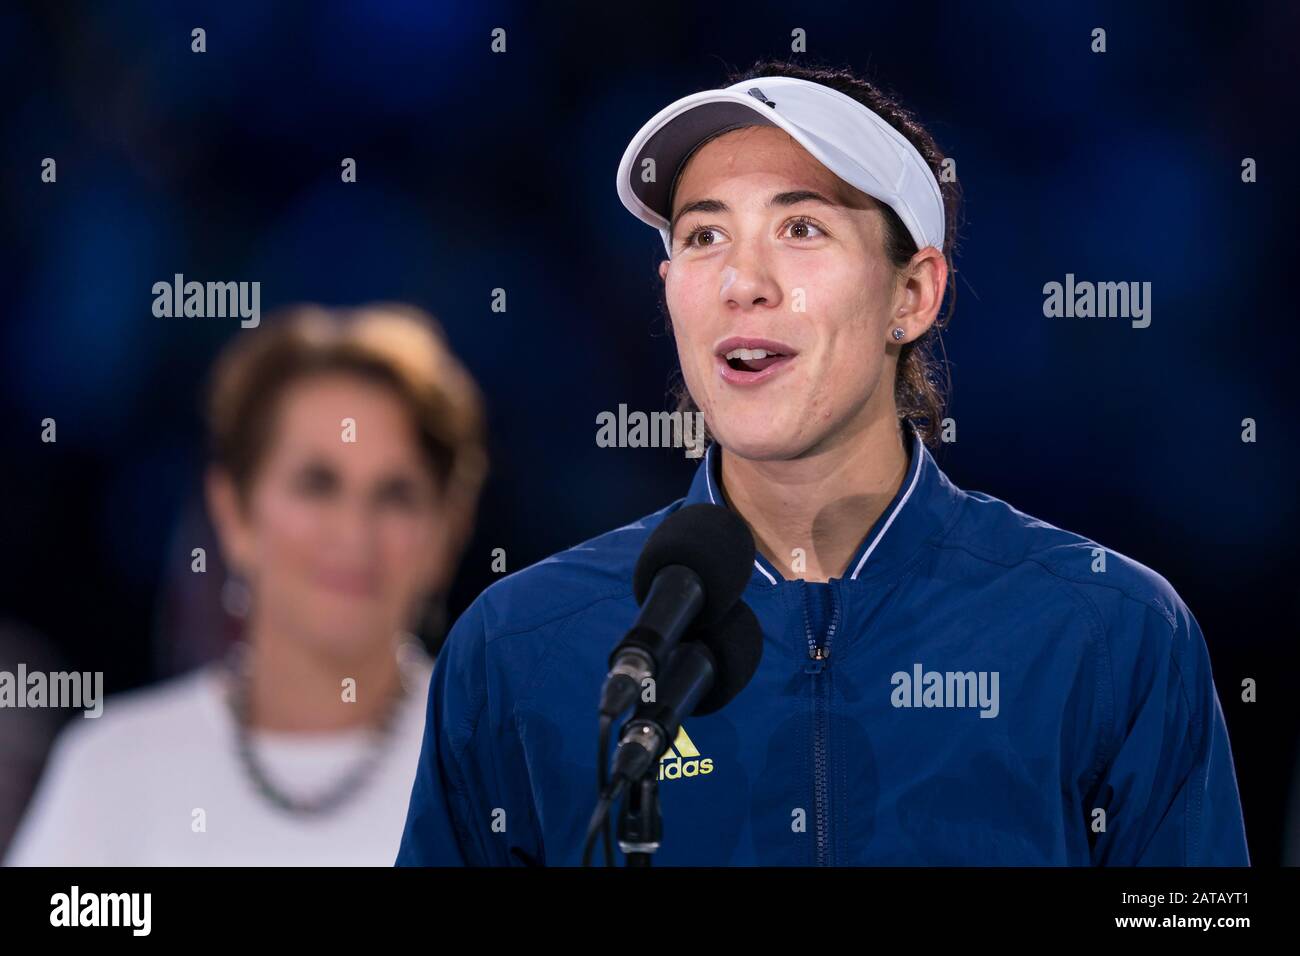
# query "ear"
(663, 269)
(919, 296)
(226, 510)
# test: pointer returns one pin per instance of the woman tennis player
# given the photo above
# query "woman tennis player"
(945, 679)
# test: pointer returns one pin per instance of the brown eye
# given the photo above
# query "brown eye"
(316, 479)
(804, 229)
(398, 493)
(699, 232)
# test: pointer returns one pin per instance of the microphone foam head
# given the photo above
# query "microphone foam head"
(713, 542)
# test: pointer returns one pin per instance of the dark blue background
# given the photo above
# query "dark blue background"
(479, 170)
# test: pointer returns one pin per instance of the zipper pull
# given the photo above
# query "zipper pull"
(819, 653)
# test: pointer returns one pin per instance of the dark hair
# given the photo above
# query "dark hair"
(393, 344)
(922, 383)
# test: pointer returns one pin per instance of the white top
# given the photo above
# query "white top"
(124, 789)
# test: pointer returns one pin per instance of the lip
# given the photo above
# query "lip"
(348, 584)
(736, 377)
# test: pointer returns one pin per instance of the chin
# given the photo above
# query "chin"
(759, 442)
(349, 636)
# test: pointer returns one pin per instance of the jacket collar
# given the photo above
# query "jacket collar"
(921, 510)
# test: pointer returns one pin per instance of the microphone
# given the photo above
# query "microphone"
(692, 570)
(704, 675)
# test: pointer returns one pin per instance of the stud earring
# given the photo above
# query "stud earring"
(898, 334)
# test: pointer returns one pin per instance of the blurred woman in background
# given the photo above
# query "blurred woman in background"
(347, 459)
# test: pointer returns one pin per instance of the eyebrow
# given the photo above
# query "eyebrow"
(792, 198)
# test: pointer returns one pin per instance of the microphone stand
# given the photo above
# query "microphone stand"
(640, 825)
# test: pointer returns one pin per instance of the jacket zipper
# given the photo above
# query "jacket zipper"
(819, 656)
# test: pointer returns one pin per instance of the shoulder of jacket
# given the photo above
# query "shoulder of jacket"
(1000, 533)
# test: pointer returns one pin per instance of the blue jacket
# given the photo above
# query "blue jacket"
(975, 690)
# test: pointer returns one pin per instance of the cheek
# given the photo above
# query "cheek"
(692, 300)
(403, 536)
(288, 530)
(853, 352)
(853, 298)
(852, 373)
(692, 296)
(410, 546)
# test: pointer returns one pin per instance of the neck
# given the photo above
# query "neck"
(821, 504)
(295, 687)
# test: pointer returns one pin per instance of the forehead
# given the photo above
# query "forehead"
(752, 153)
(311, 413)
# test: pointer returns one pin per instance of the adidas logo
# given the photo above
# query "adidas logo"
(683, 759)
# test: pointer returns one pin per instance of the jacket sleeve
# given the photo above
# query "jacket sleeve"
(1170, 787)
(464, 810)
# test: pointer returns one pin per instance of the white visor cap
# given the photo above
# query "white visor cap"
(843, 135)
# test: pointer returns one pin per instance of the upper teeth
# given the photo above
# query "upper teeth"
(749, 354)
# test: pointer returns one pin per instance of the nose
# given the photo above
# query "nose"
(353, 528)
(747, 280)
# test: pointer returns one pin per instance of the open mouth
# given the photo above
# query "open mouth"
(752, 360)
(748, 361)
